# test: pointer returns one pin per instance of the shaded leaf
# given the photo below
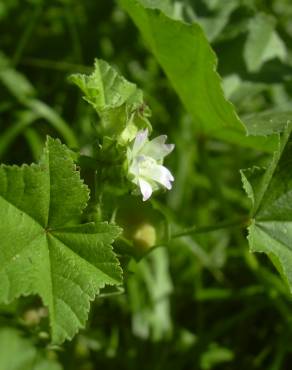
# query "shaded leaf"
(268, 122)
(270, 190)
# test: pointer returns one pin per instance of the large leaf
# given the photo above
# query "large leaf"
(186, 57)
(42, 251)
(270, 190)
(18, 353)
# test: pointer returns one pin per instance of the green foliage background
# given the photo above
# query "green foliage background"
(202, 300)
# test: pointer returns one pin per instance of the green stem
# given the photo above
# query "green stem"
(50, 115)
(207, 229)
(8, 136)
(76, 43)
(27, 34)
(55, 65)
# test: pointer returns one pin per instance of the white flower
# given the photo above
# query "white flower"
(145, 160)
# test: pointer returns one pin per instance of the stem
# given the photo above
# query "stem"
(128, 242)
(55, 65)
(207, 229)
(26, 35)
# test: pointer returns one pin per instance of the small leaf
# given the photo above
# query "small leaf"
(42, 251)
(215, 24)
(271, 193)
(119, 103)
(263, 43)
(105, 88)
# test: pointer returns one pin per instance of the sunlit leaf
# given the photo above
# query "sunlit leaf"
(43, 251)
(118, 102)
(190, 64)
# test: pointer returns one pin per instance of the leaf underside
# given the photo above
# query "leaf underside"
(192, 72)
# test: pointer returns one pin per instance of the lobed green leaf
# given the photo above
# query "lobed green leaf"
(43, 249)
(118, 102)
(270, 190)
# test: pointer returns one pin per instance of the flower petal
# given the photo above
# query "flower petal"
(157, 148)
(140, 141)
(157, 173)
(145, 188)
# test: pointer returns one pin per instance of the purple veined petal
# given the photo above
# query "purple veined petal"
(145, 188)
(159, 174)
(157, 148)
(140, 141)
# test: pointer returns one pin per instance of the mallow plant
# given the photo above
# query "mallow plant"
(57, 241)
(52, 245)
(121, 247)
